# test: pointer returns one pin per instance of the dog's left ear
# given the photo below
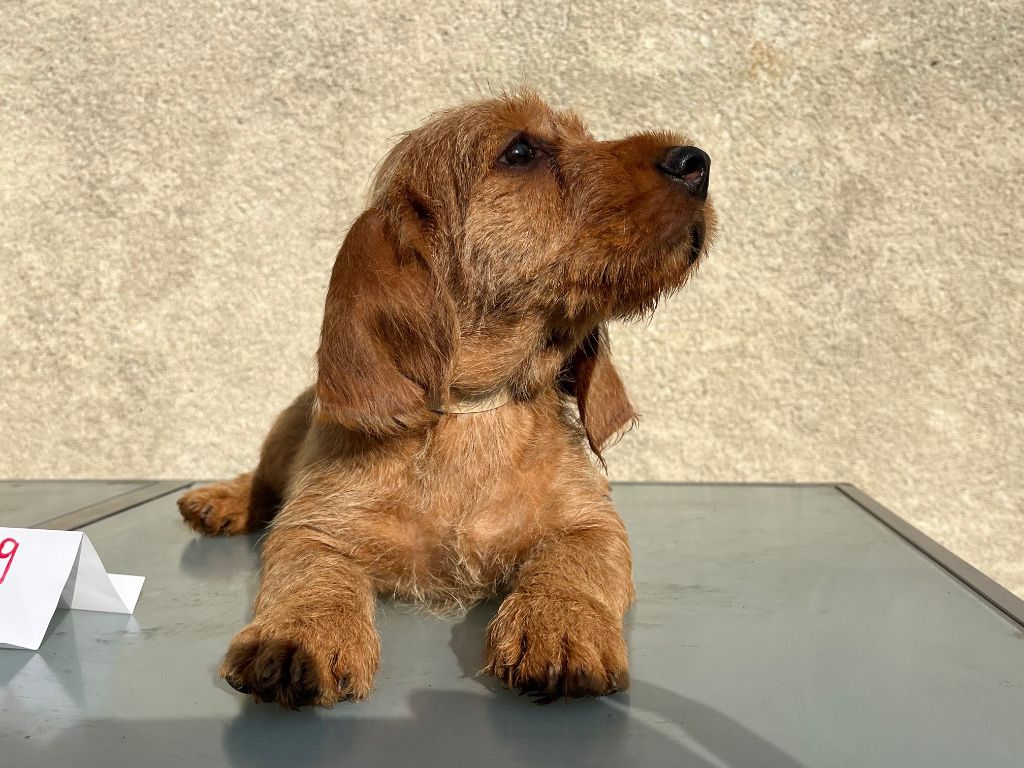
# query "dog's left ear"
(605, 410)
(389, 329)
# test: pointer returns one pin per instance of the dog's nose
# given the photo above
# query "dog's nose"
(689, 165)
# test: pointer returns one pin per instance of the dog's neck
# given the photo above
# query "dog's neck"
(503, 364)
(474, 403)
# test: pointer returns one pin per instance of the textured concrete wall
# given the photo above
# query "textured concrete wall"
(175, 178)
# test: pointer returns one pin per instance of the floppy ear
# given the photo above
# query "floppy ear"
(605, 410)
(386, 344)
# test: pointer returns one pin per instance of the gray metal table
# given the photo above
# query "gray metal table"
(70, 504)
(775, 626)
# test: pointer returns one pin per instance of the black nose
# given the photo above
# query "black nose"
(689, 165)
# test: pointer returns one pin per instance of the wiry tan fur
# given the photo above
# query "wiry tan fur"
(465, 276)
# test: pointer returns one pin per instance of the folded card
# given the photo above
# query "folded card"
(41, 570)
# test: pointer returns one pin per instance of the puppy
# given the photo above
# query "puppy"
(463, 370)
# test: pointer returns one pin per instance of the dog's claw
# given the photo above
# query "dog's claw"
(553, 675)
(238, 685)
(589, 659)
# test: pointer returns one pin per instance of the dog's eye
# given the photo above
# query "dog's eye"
(519, 152)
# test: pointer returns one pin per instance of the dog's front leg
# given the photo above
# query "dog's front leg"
(312, 639)
(559, 632)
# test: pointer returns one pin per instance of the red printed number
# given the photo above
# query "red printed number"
(7, 549)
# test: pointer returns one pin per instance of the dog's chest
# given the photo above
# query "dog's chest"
(471, 514)
(455, 551)
(478, 515)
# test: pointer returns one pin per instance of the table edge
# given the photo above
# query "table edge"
(998, 596)
(79, 518)
(988, 589)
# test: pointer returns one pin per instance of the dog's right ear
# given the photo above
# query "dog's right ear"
(388, 334)
(604, 407)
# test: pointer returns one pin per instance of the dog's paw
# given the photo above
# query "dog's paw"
(557, 646)
(221, 509)
(298, 666)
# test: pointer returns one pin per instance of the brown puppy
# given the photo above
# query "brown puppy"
(438, 457)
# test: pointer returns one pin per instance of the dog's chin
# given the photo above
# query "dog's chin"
(662, 268)
(670, 269)
(637, 304)
(695, 245)
(686, 245)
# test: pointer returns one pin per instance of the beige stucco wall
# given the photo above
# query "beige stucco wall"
(175, 178)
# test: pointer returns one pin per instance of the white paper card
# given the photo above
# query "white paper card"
(40, 570)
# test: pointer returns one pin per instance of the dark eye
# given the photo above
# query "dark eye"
(519, 152)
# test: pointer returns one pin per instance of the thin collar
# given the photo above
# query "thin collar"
(475, 403)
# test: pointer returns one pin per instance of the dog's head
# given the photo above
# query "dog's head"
(499, 239)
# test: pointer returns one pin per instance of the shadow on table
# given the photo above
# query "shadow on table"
(490, 726)
(225, 560)
(219, 557)
(648, 725)
(457, 728)
(441, 728)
